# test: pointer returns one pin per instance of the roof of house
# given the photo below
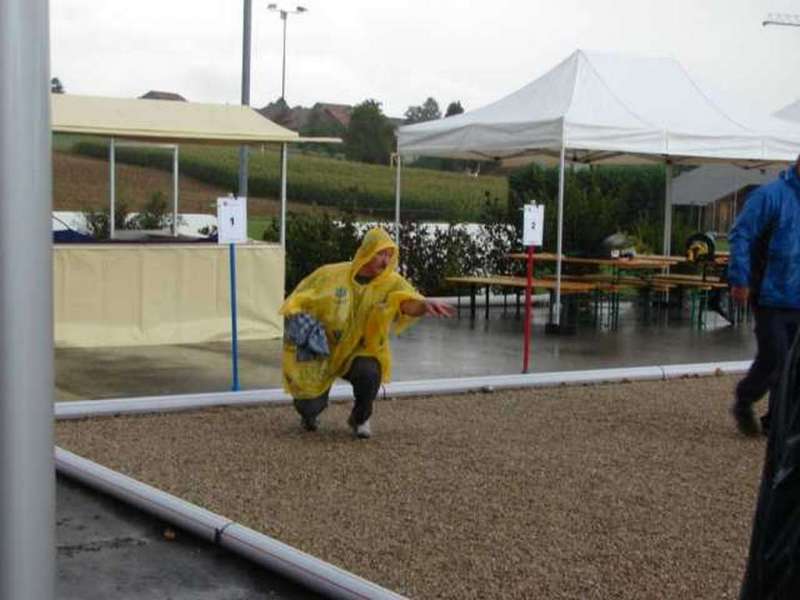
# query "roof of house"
(157, 95)
(338, 112)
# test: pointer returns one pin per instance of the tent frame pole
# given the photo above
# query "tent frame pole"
(560, 233)
(397, 196)
(175, 190)
(667, 246)
(284, 159)
(112, 188)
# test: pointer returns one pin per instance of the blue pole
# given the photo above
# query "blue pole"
(234, 342)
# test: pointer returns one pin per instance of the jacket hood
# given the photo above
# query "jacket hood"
(375, 240)
(790, 177)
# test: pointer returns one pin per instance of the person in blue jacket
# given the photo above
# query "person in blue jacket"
(764, 270)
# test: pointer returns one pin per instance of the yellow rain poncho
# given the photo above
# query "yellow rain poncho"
(357, 317)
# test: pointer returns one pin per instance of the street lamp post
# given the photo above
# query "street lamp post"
(782, 19)
(246, 34)
(284, 13)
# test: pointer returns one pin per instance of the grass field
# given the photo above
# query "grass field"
(317, 180)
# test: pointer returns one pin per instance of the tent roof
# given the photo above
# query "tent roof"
(709, 183)
(164, 120)
(606, 107)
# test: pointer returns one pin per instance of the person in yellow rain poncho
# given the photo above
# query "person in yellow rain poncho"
(338, 321)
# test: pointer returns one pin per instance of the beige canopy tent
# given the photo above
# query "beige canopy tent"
(165, 121)
(170, 122)
(112, 295)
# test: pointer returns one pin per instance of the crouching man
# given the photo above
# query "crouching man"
(338, 321)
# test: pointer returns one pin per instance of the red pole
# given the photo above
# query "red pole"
(526, 351)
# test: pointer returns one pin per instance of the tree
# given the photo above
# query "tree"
(56, 86)
(370, 135)
(428, 111)
(454, 108)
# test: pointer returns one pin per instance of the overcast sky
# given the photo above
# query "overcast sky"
(400, 52)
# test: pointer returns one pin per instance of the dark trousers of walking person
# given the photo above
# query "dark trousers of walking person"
(365, 376)
(775, 330)
(773, 563)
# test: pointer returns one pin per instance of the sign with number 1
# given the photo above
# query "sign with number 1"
(231, 220)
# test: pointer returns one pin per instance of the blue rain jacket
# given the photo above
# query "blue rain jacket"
(773, 211)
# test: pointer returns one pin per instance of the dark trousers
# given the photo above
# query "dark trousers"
(365, 377)
(772, 567)
(775, 330)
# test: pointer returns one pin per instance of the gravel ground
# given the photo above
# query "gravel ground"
(635, 490)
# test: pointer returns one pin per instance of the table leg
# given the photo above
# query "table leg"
(472, 292)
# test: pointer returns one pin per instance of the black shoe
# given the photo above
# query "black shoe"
(745, 419)
(765, 424)
(309, 424)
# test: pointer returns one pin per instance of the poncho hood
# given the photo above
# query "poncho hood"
(375, 240)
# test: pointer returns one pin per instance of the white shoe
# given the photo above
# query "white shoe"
(363, 431)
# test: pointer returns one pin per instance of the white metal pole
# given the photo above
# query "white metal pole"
(560, 232)
(175, 190)
(112, 157)
(397, 198)
(27, 472)
(667, 247)
(284, 159)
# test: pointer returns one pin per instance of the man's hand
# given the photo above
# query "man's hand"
(431, 308)
(434, 308)
(740, 294)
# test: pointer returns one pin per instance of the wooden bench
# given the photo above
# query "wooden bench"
(516, 283)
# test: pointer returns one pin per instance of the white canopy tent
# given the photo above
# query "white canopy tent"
(167, 122)
(607, 108)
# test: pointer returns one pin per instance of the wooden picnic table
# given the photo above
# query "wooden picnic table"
(616, 263)
(475, 281)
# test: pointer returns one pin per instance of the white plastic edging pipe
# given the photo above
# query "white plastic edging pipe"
(202, 523)
(303, 568)
(428, 387)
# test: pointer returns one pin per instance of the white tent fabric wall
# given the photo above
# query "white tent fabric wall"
(709, 183)
(602, 108)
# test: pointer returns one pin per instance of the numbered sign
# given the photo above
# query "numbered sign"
(231, 220)
(533, 225)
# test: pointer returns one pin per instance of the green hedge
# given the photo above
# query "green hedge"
(600, 201)
(427, 255)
